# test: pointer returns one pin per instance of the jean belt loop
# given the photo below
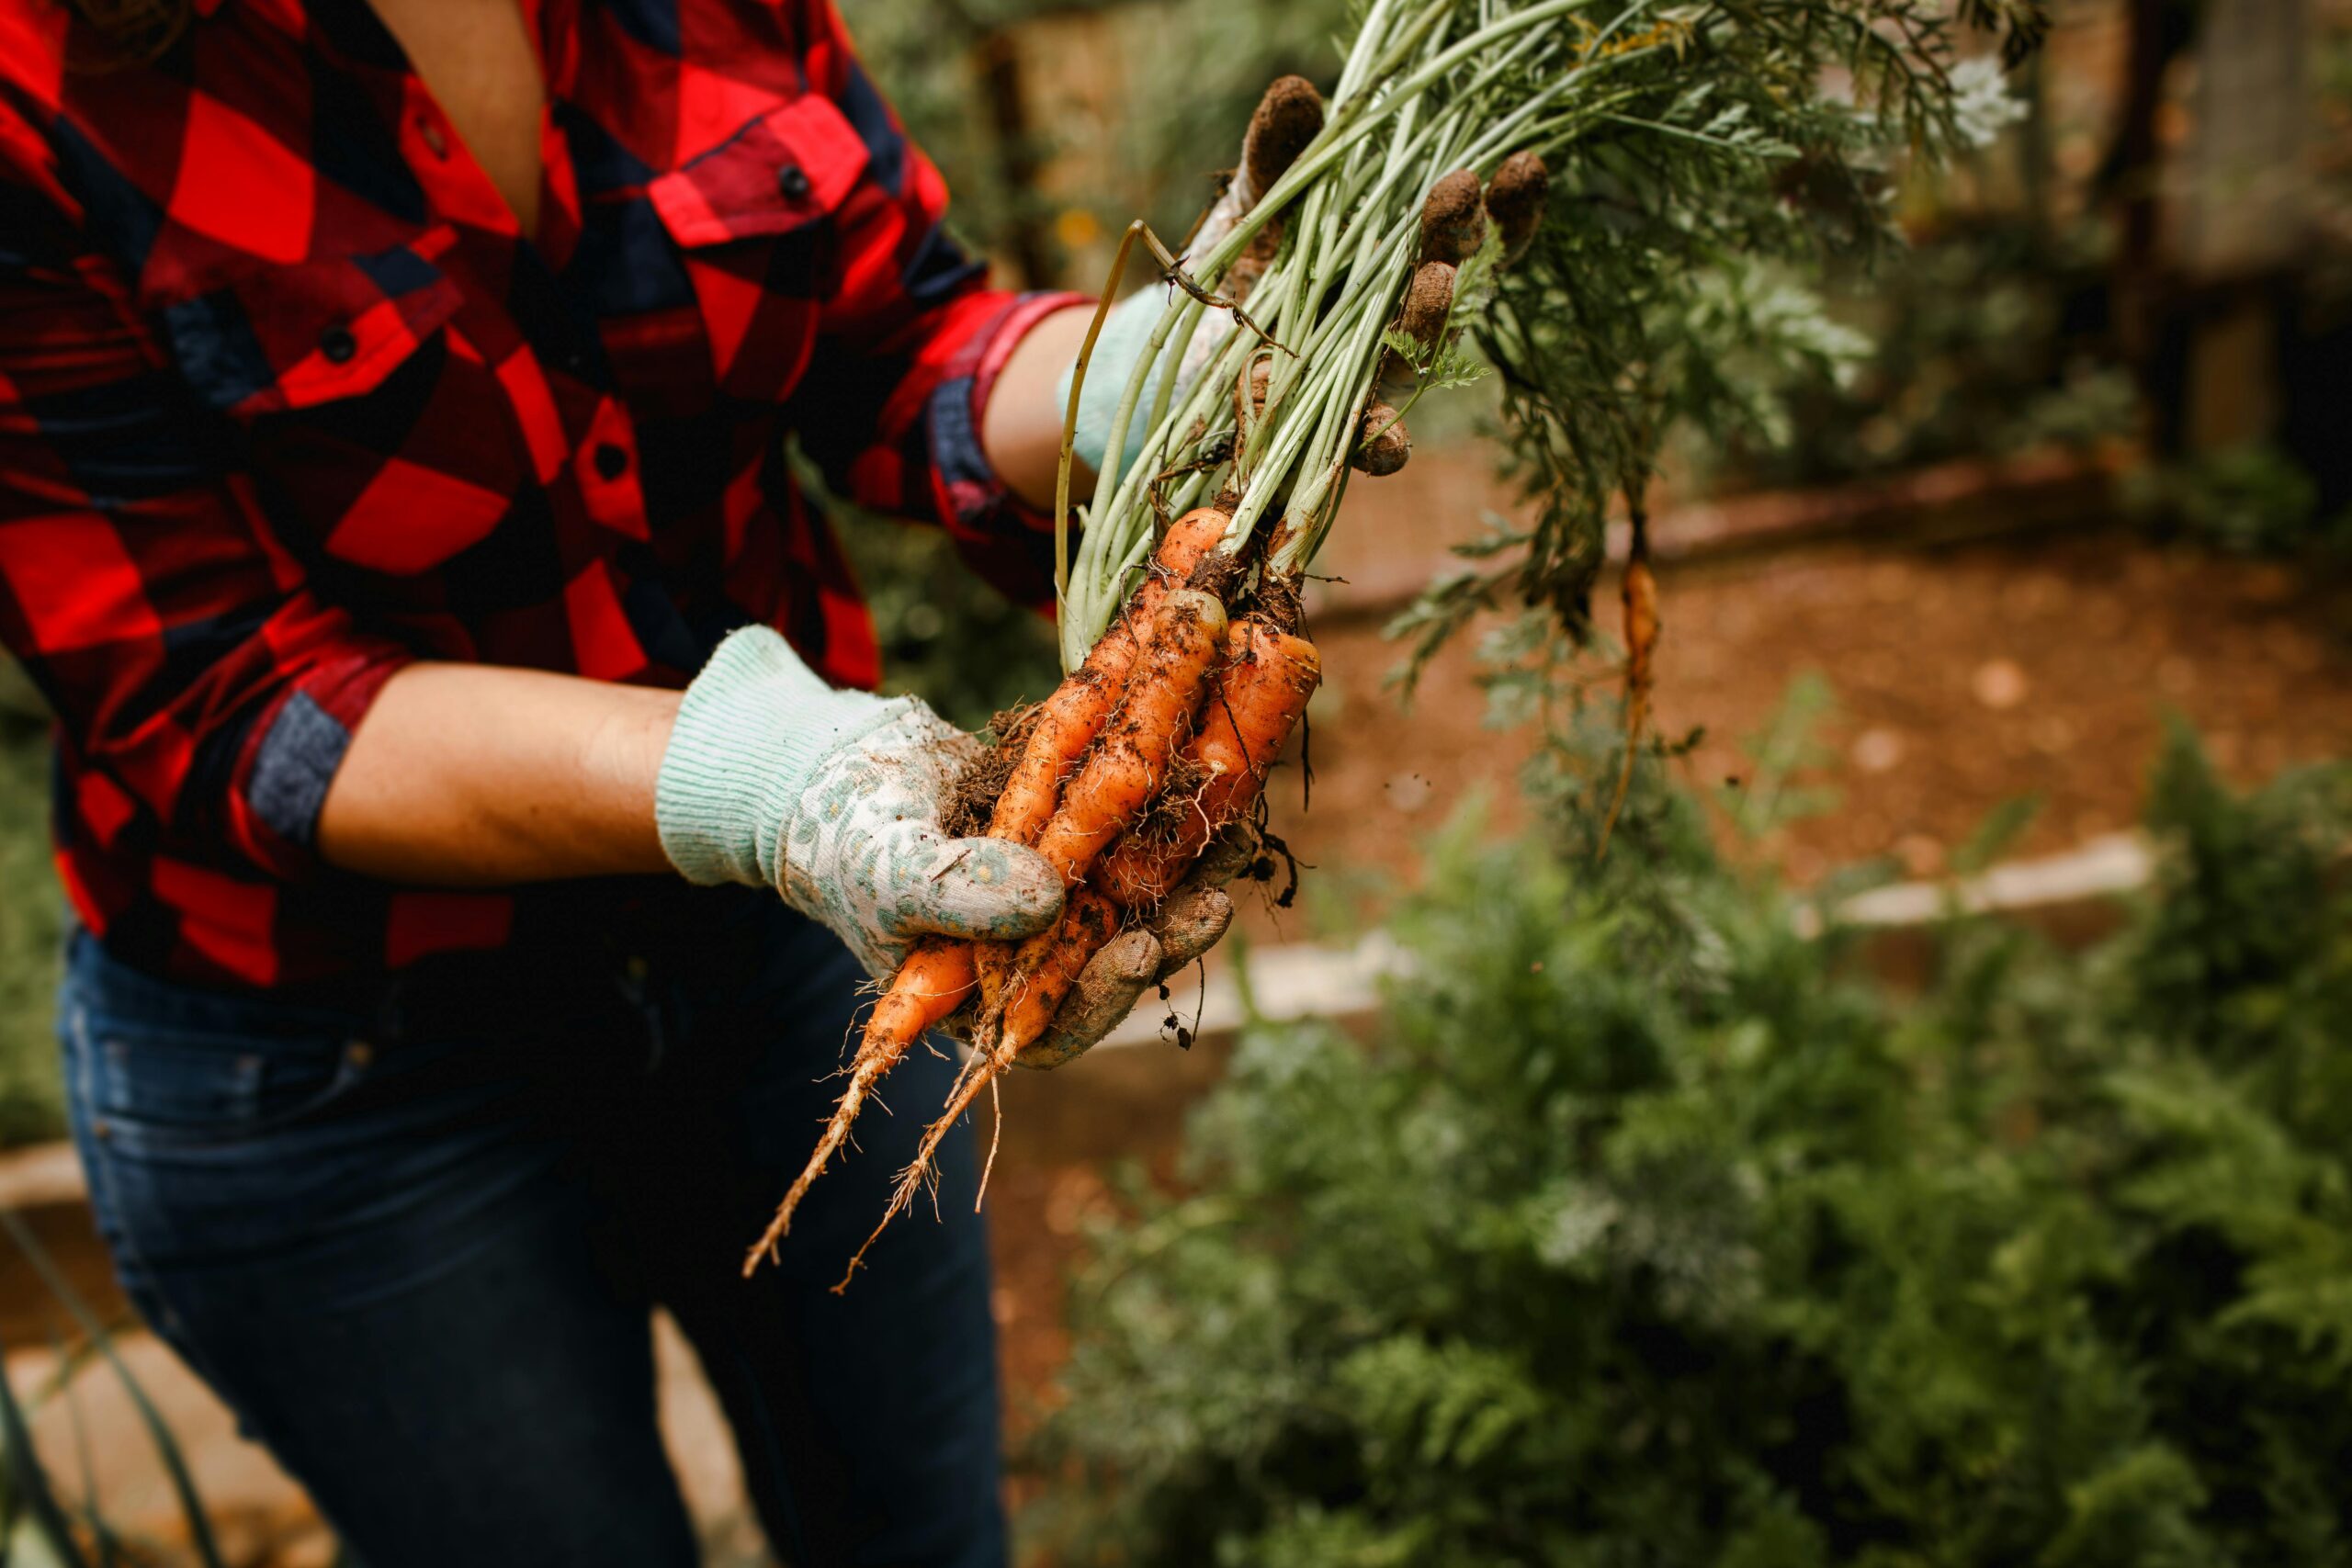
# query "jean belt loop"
(656, 1032)
(673, 1018)
(643, 988)
(391, 1006)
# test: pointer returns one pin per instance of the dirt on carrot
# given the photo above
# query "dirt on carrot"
(1261, 695)
(971, 799)
(1122, 774)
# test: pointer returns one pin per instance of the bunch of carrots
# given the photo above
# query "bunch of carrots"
(1200, 677)
(1178, 683)
(1347, 285)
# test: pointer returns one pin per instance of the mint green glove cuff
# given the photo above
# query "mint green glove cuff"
(1127, 331)
(750, 733)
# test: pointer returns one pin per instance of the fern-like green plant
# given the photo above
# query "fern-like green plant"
(1641, 1235)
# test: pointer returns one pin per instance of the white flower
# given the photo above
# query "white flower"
(1982, 104)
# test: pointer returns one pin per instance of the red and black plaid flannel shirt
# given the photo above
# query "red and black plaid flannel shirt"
(286, 401)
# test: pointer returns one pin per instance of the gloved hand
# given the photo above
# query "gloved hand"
(833, 797)
(1190, 921)
(1287, 118)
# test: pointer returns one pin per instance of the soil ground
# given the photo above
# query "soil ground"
(1963, 677)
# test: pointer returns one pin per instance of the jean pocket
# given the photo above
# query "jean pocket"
(168, 1087)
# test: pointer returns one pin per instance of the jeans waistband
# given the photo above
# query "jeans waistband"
(492, 992)
(553, 985)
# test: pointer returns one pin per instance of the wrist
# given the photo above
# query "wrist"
(749, 733)
(620, 759)
(1126, 331)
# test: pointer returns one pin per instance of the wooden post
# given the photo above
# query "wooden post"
(2244, 223)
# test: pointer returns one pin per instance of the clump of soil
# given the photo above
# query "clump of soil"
(971, 799)
(1515, 200)
(1278, 601)
(1453, 219)
(1286, 120)
(1217, 575)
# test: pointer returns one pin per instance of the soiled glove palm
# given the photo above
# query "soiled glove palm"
(832, 798)
(1188, 922)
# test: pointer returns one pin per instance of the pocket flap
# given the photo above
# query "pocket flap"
(788, 167)
(292, 337)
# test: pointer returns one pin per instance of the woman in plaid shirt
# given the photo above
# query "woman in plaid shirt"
(392, 399)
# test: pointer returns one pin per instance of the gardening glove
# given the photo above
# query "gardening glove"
(1189, 921)
(833, 797)
(1287, 118)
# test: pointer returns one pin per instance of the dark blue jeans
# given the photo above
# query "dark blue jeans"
(414, 1236)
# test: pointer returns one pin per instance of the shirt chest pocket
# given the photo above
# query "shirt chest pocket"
(372, 438)
(754, 230)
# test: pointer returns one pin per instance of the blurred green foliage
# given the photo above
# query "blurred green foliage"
(32, 919)
(946, 637)
(1644, 1232)
(2254, 499)
(932, 59)
(1985, 339)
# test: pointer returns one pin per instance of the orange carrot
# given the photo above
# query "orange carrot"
(1048, 966)
(930, 984)
(1268, 677)
(1121, 775)
(1638, 593)
(1069, 721)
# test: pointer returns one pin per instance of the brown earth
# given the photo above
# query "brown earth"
(1963, 677)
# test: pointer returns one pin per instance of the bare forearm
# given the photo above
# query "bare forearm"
(465, 774)
(470, 774)
(1021, 428)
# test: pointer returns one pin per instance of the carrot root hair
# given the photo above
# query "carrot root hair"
(931, 983)
(1055, 960)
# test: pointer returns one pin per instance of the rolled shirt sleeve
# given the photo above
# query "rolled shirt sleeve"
(200, 685)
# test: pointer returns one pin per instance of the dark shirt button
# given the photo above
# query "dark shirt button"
(793, 181)
(338, 344)
(611, 461)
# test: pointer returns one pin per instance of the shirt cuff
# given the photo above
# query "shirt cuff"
(1007, 541)
(294, 753)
